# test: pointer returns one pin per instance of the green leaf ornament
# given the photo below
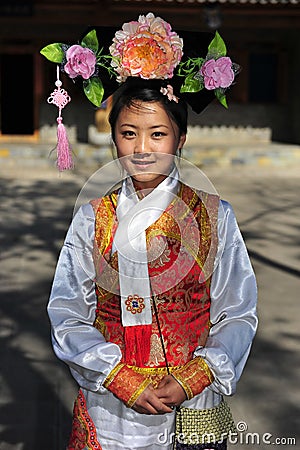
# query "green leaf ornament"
(91, 41)
(217, 47)
(53, 52)
(191, 84)
(219, 93)
(93, 89)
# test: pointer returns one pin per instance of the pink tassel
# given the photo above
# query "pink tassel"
(64, 154)
(61, 98)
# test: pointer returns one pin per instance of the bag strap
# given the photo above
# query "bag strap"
(160, 334)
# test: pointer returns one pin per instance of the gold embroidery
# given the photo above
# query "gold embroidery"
(138, 392)
(135, 304)
(206, 369)
(110, 378)
(126, 383)
(107, 278)
(153, 374)
(189, 204)
(158, 252)
(104, 223)
(194, 376)
(100, 325)
(153, 371)
(156, 352)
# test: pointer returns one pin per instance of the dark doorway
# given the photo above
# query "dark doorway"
(17, 95)
(263, 77)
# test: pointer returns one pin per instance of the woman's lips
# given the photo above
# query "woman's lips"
(142, 163)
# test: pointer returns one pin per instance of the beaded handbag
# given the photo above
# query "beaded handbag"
(197, 427)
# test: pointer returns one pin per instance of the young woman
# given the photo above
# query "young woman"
(153, 304)
(206, 321)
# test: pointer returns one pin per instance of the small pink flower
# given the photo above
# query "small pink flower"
(80, 61)
(168, 91)
(217, 73)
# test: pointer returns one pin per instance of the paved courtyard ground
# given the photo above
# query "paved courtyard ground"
(36, 390)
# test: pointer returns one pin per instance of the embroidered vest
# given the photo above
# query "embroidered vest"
(183, 301)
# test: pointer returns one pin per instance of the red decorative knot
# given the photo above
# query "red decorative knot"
(135, 304)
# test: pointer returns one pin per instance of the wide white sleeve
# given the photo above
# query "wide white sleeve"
(233, 306)
(72, 306)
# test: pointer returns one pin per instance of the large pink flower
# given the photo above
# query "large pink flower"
(147, 48)
(80, 61)
(217, 73)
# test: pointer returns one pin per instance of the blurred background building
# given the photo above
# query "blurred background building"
(262, 36)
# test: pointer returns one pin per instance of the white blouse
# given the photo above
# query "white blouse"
(83, 348)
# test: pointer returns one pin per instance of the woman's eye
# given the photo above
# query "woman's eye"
(158, 134)
(128, 133)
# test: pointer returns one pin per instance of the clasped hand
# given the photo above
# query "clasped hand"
(168, 394)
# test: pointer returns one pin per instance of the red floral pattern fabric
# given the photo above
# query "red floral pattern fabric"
(83, 434)
(183, 309)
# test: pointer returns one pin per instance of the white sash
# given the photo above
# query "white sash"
(134, 217)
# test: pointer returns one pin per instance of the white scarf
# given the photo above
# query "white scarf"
(134, 217)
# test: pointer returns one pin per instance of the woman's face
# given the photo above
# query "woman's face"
(147, 140)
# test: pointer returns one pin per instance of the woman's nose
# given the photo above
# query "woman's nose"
(141, 145)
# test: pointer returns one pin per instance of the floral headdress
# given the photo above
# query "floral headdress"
(148, 49)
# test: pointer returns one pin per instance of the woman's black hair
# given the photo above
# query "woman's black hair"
(137, 89)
